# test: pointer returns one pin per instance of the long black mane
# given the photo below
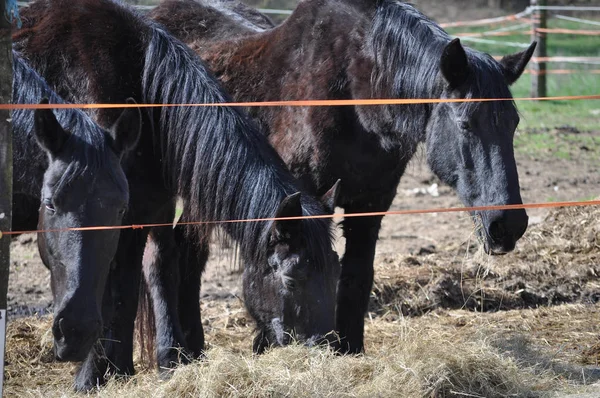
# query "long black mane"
(201, 150)
(407, 48)
(204, 149)
(88, 144)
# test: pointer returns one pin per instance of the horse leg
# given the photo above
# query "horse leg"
(113, 353)
(161, 272)
(192, 262)
(356, 281)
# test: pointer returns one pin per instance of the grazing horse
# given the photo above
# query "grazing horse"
(67, 172)
(214, 158)
(359, 49)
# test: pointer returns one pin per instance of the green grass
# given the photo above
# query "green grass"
(565, 146)
(582, 114)
(557, 44)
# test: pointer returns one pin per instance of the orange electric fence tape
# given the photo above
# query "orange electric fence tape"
(309, 103)
(350, 102)
(369, 214)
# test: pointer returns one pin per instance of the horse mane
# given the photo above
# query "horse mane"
(406, 46)
(88, 143)
(213, 157)
(206, 148)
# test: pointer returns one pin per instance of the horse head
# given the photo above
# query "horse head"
(84, 186)
(470, 144)
(293, 296)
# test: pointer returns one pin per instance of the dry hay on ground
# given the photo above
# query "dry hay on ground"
(404, 360)
(444, 354)
(556, 262)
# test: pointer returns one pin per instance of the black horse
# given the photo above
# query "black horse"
(360, 49)
(212, 157)
(67, 169)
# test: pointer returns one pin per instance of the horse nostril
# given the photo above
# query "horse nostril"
(497, 230)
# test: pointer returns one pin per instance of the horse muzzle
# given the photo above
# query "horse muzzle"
(499, 230)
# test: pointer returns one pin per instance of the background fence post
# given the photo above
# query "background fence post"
(538, 67)
(6, 79)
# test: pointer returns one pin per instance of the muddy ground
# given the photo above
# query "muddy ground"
(430, 267)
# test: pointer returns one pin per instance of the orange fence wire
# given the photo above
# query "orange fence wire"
(366, 214)
(349, 102)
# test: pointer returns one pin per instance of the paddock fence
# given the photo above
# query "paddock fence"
(499, 32)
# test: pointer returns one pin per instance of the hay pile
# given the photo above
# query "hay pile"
(403, 360)
(556, 262)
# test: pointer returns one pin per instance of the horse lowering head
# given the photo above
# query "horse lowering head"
(470, 144)
(292, 297)
(84, 185)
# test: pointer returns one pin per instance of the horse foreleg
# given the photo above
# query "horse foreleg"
(356, 281)
(192, 262)
(161, 272)
(113, 353)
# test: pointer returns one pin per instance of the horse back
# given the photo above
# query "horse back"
(190, 20)
(88, 51)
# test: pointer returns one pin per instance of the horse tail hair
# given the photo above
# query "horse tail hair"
(146, 326)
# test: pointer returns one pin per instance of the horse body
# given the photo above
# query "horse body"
(215, 159)
(67, 173)
(336, 49)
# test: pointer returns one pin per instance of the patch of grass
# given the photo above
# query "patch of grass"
(567, 146)
(557, 44)
(582, 114)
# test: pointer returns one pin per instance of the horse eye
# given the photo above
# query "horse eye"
(465, 125)
(49, 206)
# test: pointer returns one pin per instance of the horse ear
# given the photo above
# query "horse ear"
(48, 132)
(289, 207)
(513, 65)
(127, 129)
(330, 198)
(454, 64)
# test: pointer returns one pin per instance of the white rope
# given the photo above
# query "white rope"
(571, 60)
(563, 8)
(487, 21)
(509, 28)
(585, 21)
(499, 43)
(274, 11)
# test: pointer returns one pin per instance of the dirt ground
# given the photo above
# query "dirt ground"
(429, 270)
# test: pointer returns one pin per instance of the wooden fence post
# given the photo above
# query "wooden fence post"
(538, 66)
(6, 79)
